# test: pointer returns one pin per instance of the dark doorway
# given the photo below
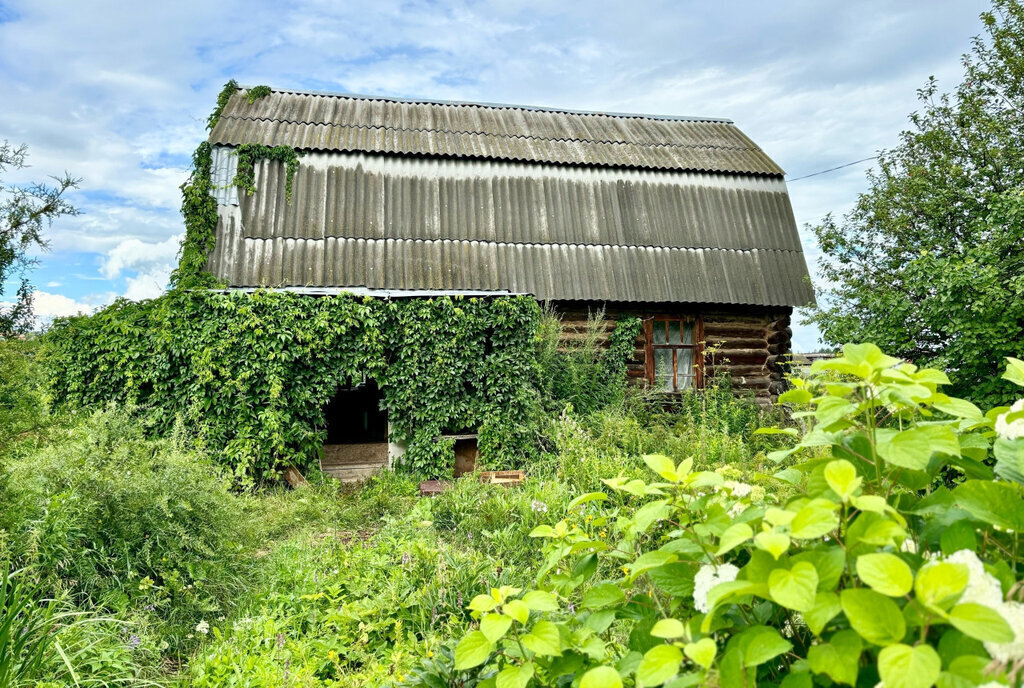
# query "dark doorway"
(356, 445)
(354, 416)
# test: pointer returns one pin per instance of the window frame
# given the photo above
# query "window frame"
(697, 347)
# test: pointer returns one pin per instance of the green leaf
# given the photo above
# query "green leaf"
(588, 497)
(958, 536)
(517, 610)
(494, 626)
(902, 666)
(651, 560)
(981, 622)
(540, 601)
(761, 643)
(839, 658)
(602, 595)
(938, 585)
(826, 606)
(734, 535)
(1014, 371)
(601, 677)
(813, 521)
(702, 652)
(513, 676)
(997, 503)
(542, 531)
(774, 543)
(913, 448)
(659, 665)
(543, 639)
(794, 588)
(473, 650)
(842, 477)
(668, 628)
(662, 465)
(885, 573)
(875, 617)
(483, 603)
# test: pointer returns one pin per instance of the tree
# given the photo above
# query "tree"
(24, 211)
(930, 262)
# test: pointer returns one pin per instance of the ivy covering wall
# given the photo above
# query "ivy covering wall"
(252, 372)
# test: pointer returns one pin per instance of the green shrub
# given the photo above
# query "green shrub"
(128, 524)
(887, 560)
(22, 391)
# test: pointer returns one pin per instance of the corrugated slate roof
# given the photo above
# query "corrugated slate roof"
(452, 196)
(325, 122)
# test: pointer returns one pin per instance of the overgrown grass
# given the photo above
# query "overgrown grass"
(173, 575)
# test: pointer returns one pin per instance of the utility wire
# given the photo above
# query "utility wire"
(832, 169)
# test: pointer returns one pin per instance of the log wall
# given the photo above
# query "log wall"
(750, 344)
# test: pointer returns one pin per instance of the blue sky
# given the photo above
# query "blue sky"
(117, 92)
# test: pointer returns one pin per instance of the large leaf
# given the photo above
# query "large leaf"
(760, 644)
(513, 676)
(702, 652)
(494, 626)
(981, 622)
(543, 639)
(876, 618)
(601, 677)
(996, 503)
(913, 448)
(839, 658)
(826, 606)
(602, 595)
(472, 651)
(902, 666)
(886, 573)
(938, 585)
(794, 588)
(659, 665)
(734, 535)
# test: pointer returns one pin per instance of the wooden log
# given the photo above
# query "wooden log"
(734, 342)
(293, 476)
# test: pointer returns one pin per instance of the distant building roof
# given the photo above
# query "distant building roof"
(565, 205)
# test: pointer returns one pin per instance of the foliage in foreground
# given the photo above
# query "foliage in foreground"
(928, 263)
(890, 562)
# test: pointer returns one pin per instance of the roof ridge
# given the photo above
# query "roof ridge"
(502, 135)
(497, 106)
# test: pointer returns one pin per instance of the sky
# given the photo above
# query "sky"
(117, 93)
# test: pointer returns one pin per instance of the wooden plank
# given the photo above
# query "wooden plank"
(351, 462)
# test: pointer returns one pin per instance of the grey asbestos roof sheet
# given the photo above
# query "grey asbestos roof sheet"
(411, 196)
(336, 122)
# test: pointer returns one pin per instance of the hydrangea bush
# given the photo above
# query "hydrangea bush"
(885, 552)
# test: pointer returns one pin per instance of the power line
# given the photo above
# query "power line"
(833, 169)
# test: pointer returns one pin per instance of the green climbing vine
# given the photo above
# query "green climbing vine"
(257, 92)
(198, 205)
(254, 371)
(250, 153)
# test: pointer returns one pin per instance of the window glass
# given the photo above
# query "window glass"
(673, 332)
(674, 348)
(659, 332)
(663, 379)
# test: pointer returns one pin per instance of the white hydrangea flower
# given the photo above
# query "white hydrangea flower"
(203, 627)
(982, 587)
(1015, 429)
(737, 509)
(1012, 651)
(708, 576)
(738, 489)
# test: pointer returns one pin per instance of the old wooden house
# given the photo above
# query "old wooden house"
(683, 221)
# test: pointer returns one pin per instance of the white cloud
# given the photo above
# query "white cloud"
(148, 285)
(48, 306)
(135, 254)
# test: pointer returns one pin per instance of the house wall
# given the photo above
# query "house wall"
(751, 344)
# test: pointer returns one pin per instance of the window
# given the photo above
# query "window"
(673, 347)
